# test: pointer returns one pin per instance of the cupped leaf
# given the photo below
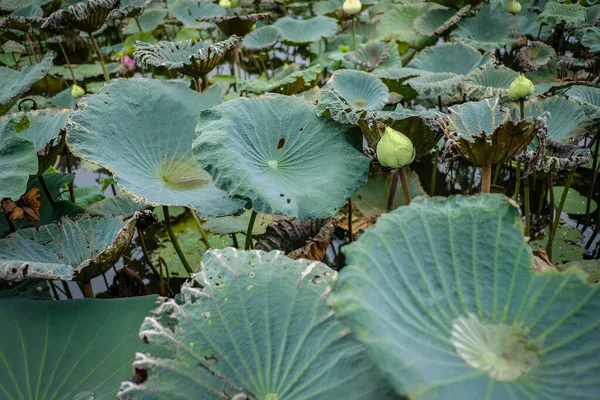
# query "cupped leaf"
(18, 159)
(217, 350)
(187, 11)
(234, 24)
(439, 21)
(556, 13)
(588, 97)
(298, 32)
(370, 56)
(13, 83)
(535, 55)
(489, 29)
(70, 249)
(193, 59)
(566, 119)
(87, 16)
(489, 81)
(448, 284)
(276, 152)
(262, 39)
(458, 58)
(445, 85)
(396, 24)
(290, 79)
(148, 151)
(66, 349)
(359, 89)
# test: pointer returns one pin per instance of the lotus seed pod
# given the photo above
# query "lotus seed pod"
(514, 7)
(77, 91)
(520, 88)
(395, 150)
(343, 48)
(352, 7)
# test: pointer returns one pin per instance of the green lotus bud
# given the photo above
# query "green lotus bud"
(352, 7)
(514, 7)
(343, 48)
(77, 91)
(395, 150)
(520, 88)
(225, 3)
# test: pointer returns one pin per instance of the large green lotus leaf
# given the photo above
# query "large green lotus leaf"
(119, 206)
(438, 21)
(535, 55)
(13, 83)
(488, 30)
(396, 24)
(332, 104)
(489, 81)
(458, 58)
(237, 224)
(13, 5)
(359, 89)
(567, 118)
(483, 132)
(87, 16)
(444, 296)
(262, 39)
(392, 67)
(259, 327)
(291, 79)
(150, 20)
(70, 249)
(18, 159)
(445, 85)
(591, 39)
(276, 152)
(62, 349)
(298, 31)
(588, 97)
(142, 130)
(186, 12)
(556, 13)
(370, 56)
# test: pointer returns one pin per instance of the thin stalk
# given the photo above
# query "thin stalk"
(596, 228)
(405, 187)
(518, 184)
(235, 241)
(248, 243)
(393, 191)
(54, 288)
(46, 189)
(563, 198)
(594, 177)
(204, 83)
(497, 173)
(145, 252)
(70, 170)
(161, 281)
(486, 178)
(105, 280)
(202, 231)
(527, 206)
(440, 103)
(351, 235)
(88, 292)
(137, 22)
(67, 290)
(10, 224)
(97, 50)
(163, 263)
(32, 48)
(551, 214)
(522, 108)
(353, 33)
(64, 53)
(436, 157)
(197, 85)
(174, 241)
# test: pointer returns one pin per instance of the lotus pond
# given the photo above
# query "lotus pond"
(293, 200)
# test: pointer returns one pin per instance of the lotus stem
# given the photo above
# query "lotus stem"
(67, 290)
(235, 241)
(46, 189)
(353, 33)
(88, 292)
(588, 204)
(248, 243)
(351, 235)
(518, 183)
(64, 53)
(486, 178)
(405, 187)
(563, 198)
(10, 224)
(202, 231)
(54, 288)
(97, 50)
(137, 22)
(527, 206)
(70, 170)
(595, 232)
(146, 256)
(197, 85)
(105, 280)
(204, 83)
(174, 241)
(434, 172)
(522, 108)
(551, 214)
(393, 191)
(34, 53)
(497, 173)
(161, 281)
(440, 103)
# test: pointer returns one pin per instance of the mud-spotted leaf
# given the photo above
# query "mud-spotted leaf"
(68, 349)
(489, 81)
(262, 39)
(444, 296)
(290, 79)
(276, 152)
(489, 29)
(359, 89)
(14, 83)
(87, 16)
(370, 56)
(535, 55)
(587, 96)
(458, 58)
(260, 328)
(396, 24)
(555, 13)
(298, 31)
(18, 159)
(439, 21)
(566, 119)
(153, 161)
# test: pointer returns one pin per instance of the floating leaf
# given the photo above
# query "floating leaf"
(449, 285)
(18, 159)
(556, 13)
(262, 39)
(487, 30)
(359, 89)
(306, 170)
(237, 224)
(215, 349)
(535, 55)
(565, 246)
(291, 79)
(489, 81)
(575, 203)
(298, 32)
(152, 161)
(370, 56)
(87, 16)
(62, 349)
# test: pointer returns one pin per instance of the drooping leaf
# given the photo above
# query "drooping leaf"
(262, 39)
(588, 97)
(216, 349)
(396, 24)
(18, 159)
(66, 349)
(458, 58)
(439, 21)
(557, 13)
(291, 79)
(448, 284)
(567, 118)
(87, 16)
(298, 32)
(276, 152)
(489, 81)
(488, 30)
(153, 161)
(233, 23)
(119, 206)
(370, 56)
(359, 89)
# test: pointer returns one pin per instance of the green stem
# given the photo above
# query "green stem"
(46, 189)
(527, 207)
(235, 241)
(518, 184)
(434, 172)
(350, 234)
(486, 178)
(67, 290)
(97, 50)
(588, 204)
(202, 231)
(522, 108)
(551, 214)
(248, 243)
(497, 173)
(70, 171)
(54, 290)
(353, 33)
(563, 198)
(137, 22)
(64, 53)
(405, 187)
(146, 255)
(393, 190)
(174, 241)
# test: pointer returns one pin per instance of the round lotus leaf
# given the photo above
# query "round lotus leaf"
(359, 89)
(119, 206)
(187, 11)
(276, 152)
(575, 203)
(396, 24)
(444, 296)
(370, 56)
(14, 83)
(556, 13)
(489, 81)
(195, 59)
(69, 349)
(87, 16)
(259, 327)
(483, 132)
(566, 119)
(444, 85)
(588, 97)
(232, 23)
(439, 21)
(458, 58)
(262, 39)
(535, 55)
(142, 130)
(527, 22)
(19, 160)
(298, 31)
(489, 29)
(70, 249)
(290, 79)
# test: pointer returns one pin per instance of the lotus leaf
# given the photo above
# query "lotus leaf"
(299, 32)
(215, 348)
(370, 56)
(150, 20)
(445, 85)
(392, 67)
(133, 8)
(13, 84)
(565, 247)
(527, 21)
(152, 161)
(483, 132)
(237, 224)
(87, 16)
(489, 81)
(556, 13)
(70, 249)
(234, 24)
(193, 59)
(591, 39)
(62, 349)
(84, 196)
(554, 156)
(439, 21)
(575, 203)
(291, 79)
(187, 11)
(262, 39)
(458, 58)
(119, 206)
(359, 89)
(535, 55)
(332, 104)
(396, 24)
(449, 284)
(489, 30)
(588, 97)
(276, 152)
(18, 159)
(567, 119)
(20, 23)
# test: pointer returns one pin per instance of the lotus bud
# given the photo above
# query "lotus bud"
(77, 91)
(520, 88)
(514, 7)
(352, 7)
(343, 48)
(225, 3)
(395, 150)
